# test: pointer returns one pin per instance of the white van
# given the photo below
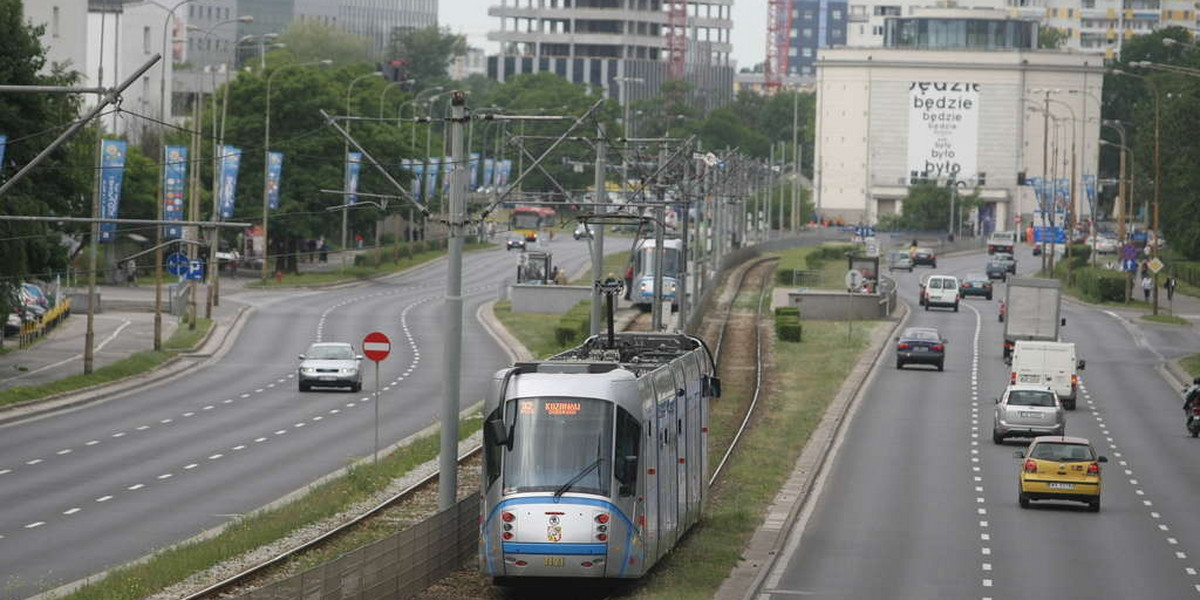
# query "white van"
(941, 290)
(1001, 241)
(1051, 364)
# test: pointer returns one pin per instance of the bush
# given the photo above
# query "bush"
(1100, 285)
(787, 311)
(566, 334)
(788, 332)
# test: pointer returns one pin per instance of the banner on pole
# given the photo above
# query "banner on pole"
(274, 173)
(418, 170)
(174, 183)
(112, 172)
(353, 165)
(431, 177)
(489, 165)
(473, 175)
(448, 167)
(231, 159)
(3, 146)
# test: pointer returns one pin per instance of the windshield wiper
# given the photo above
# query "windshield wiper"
(588, 469)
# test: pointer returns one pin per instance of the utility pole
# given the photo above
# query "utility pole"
(1045, 165)
(1157, 191)
(796, 223)
(88, 352)
(660, 218)
(194, 200)
(598, 231)
(452, 357)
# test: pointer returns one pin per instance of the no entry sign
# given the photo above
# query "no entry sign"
(376, 346)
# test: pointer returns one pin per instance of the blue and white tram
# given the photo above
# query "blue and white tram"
(643, 272)
(595, 460)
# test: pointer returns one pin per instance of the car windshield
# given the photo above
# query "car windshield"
(1030, 398)
(330, 353)
(1062, 452)
(556, 440)
(920, 335)
(976, 277)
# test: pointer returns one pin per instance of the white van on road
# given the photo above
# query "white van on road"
(941, 290)
(1051, 364)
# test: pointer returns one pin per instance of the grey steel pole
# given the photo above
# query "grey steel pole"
(88, 346)
(194, 199)
(375, 448)
(452, 356)
(681, 292)
(598, 231)
(656, 316)
(795, 220)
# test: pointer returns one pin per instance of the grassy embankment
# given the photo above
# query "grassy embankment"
(363, 271)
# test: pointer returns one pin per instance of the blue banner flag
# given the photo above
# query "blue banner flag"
(231, 159)
(353, 165)
(447, 168)
(1089, 188)
(473, 175)
(489, 166)
(431, 177)
(174, 181)
(112, 172)
(418, 188)
(274, 172)
(505, 171)
(3, 145)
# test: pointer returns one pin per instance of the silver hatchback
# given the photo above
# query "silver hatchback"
(1028, 411)
(331, 364)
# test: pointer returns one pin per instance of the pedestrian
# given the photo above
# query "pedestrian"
(1170, 287)
(1147, 285)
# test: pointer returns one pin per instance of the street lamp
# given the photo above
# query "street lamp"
(346, 158)
(1157, 166)
(267, 154)
(387, 87)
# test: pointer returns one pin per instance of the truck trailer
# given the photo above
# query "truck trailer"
(1034, 312)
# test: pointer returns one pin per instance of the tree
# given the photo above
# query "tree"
(1052, 37)
(61, 184)
(308, 41)
(927, 208)
(427, 52)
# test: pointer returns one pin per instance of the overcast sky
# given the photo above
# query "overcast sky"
(470, 17)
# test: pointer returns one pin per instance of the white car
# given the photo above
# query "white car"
(1104, 244)
(582, 231)
(941, 290)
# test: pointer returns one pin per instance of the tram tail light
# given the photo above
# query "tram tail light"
(507, 517)
(602, 518)
(602, 536)
(508, 535)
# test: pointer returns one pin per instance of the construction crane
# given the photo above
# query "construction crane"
(779, 26)
(677, 38)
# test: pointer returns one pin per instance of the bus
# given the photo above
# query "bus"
(529, 220)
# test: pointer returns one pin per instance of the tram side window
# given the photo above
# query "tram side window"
(629, 436)
(491, 451)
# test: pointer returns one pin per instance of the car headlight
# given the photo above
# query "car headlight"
(308, 370)
(350, 371)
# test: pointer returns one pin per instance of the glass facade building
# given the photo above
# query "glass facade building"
(928, 33)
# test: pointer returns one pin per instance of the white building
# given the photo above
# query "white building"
(121, 37)
(474, 62)
(889, 117)
(65, 37)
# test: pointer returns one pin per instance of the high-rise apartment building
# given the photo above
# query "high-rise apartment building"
(607, 44)
(814, 24)
(372, 19)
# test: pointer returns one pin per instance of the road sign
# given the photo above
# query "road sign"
(872, 247)
(854, 280)
(1129, 265)
(376, 346)
(195, 271)
(1130, 252)
(177, 264)
(1156, 265)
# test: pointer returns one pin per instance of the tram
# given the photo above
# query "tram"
(642, 293)
(530, 220)
(594, 460)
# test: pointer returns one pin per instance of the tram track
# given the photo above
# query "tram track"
(254, 575)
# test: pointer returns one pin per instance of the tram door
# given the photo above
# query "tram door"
(650, 462)
(683, 432)
(664, 389)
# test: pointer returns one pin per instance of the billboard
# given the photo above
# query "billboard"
(943, 130)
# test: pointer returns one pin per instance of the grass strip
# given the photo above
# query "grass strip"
(182, 340)
(322, 502)
(1191, 364)
(360, 272)
(1168, 319)
(830, 272)
(787, 417)
(614, 264)
(535, 330)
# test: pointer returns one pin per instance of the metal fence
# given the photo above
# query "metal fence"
(394, 568)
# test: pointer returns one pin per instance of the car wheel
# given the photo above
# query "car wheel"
(899, 365)
(989, 296)
(926, 307)
(942, 366)
(996, 437)
(956, 307)
(1069, 404)
(934, 265)
(1023, 500)
(1094, 505)
(357, 387)
(304, 387)
(1000, 318)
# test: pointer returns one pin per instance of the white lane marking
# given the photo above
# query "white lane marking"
(5, 471)
(35, 524)
(165, 476)
(1190, 571)
(260, 440)
(239, 447)
(244, 396)
(63, 452)
(335, 411)
(317, 418)
(985, 551)
(215, 456)
(33, 462)
(119, 434)
(227, 401)
(104, 498)
(135, 487)
(92, 443)
(190, 466)
(189, 414)
(143, 427)
(281, 432)
(258, 391)
(166, 421)
(71, 511)
(298, 425)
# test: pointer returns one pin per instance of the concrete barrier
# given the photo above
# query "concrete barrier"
(834, 305)
(554, 299)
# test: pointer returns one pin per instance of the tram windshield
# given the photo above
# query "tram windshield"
(670, 261)
(559, 441)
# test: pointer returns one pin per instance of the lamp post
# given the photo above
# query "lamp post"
(1121, 187)
(625, 124)
(267, 154)
(1070, 209)
(387, 87)
(1157, 167)
(346, 160)
(1046, 164)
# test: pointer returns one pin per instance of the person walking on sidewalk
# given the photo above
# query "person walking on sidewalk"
(1147, 285)
(1169, 285)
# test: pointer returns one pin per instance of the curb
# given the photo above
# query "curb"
(168, 370)
(776, 529)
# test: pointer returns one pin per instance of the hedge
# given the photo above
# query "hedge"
(1098, 284)
(787, 324)
(575, 325)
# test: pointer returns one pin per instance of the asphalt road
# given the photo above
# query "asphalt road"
(86, 490)
(920, 504)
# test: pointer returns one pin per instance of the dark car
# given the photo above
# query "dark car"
(924, 256)
(515, 241)
(976, 284)
(997, 269)
(1010, 263)
(920, 346)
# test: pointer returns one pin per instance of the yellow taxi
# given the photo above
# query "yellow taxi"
(1060, 468)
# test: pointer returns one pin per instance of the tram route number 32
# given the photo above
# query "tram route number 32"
(553, 561)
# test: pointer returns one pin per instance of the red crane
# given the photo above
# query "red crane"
(677, 38)
(779, 26)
